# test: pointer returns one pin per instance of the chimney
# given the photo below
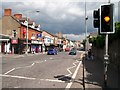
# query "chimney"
(7, 12)
(18, 16)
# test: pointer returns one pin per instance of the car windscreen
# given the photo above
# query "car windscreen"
(73, 49)
(50, 50)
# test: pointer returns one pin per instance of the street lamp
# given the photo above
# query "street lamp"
(28, 33)
(85, 56)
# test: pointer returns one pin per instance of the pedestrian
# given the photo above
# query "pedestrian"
(90, 56)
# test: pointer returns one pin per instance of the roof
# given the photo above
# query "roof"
(15, 19)
(23, 19)
(47, 32)
(30, 22)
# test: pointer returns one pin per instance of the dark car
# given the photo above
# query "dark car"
(73, 52)
(52, 51)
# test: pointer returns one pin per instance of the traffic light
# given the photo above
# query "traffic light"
(96, 16)
(106, 19)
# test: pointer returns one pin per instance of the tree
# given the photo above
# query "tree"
(99, 41)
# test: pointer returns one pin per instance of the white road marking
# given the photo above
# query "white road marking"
(40, 62)
(73, 77)
(10, 71)
(26, 66)
(51, 80)
(51, 58)
(71, 68)
(23, 67)
(32, 64)
(29, 78)
(17, 87)
(21, 77)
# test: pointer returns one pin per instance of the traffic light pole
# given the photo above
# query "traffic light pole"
(106, 61)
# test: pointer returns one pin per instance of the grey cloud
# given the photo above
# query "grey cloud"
(52, 21)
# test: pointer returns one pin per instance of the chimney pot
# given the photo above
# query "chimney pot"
(7, 12)
(18, 16)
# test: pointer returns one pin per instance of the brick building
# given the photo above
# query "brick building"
(15, 27)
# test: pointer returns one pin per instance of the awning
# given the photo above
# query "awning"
(4, 38)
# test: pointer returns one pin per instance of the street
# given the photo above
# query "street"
(40, 71)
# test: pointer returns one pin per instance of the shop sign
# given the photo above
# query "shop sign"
(39, 35)
(36, 42)
(24, 31)
(47, 44)
(33, 37)
(14, 41)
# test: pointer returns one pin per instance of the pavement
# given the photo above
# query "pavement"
(94, 77)
(94, 72)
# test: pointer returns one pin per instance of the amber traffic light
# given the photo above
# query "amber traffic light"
(106, 19)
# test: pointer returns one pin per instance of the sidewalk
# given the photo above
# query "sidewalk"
(94, 70)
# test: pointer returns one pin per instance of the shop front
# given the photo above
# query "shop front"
(47, 46)
(36, 46)
(22, 46)
(5, 45)
(14, 44)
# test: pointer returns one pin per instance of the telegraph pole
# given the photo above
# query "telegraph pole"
(27, 32)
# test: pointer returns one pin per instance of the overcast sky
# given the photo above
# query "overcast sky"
(63, 16)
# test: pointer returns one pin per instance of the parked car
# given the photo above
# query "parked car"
(52, 51)
(73, 51)
(67, 49)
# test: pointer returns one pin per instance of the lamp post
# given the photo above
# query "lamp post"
(27, 37)
(85, 56)
(27, 32)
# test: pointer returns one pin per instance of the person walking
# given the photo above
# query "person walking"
(90, 56)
